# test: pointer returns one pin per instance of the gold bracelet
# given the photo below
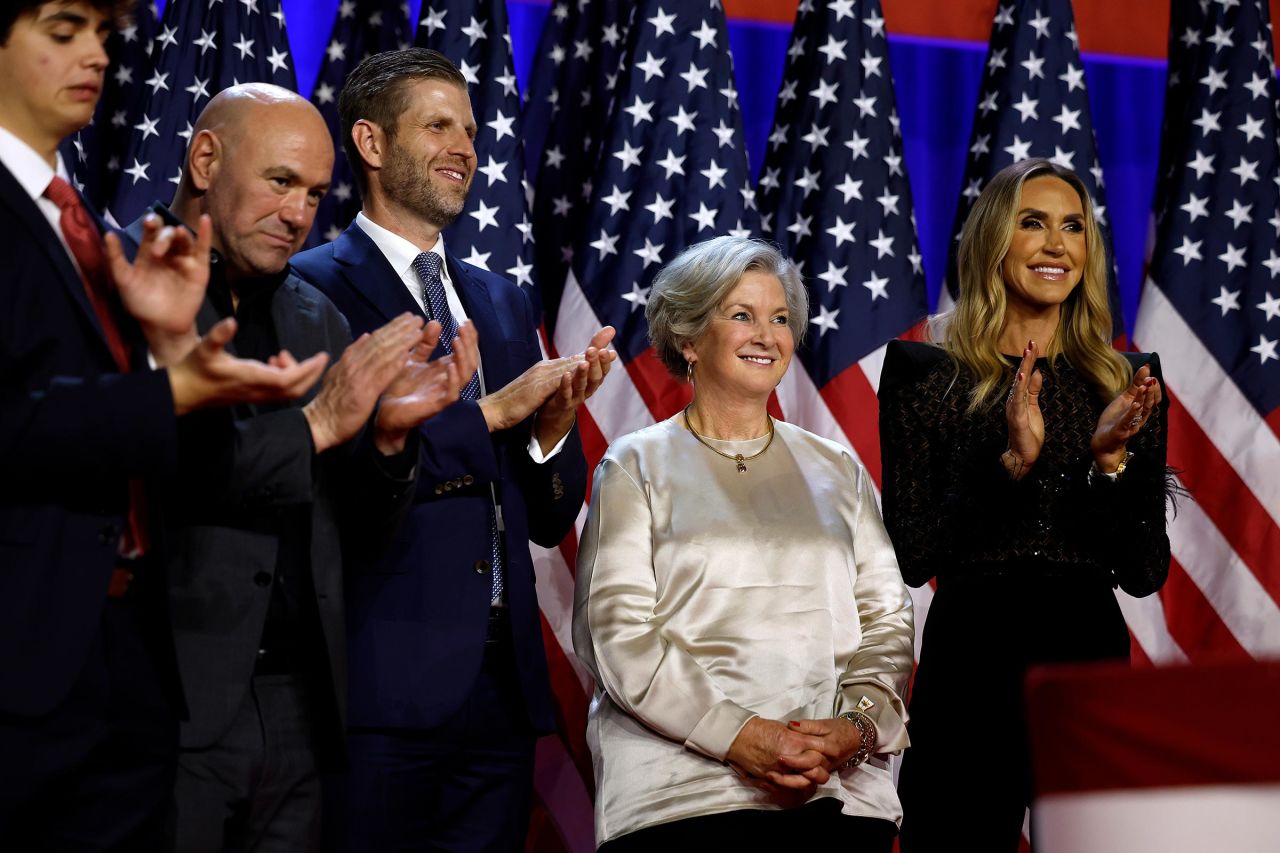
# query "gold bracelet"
(866, 737)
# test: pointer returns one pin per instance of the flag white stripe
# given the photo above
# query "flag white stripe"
(1211, 397)
(1145, 618)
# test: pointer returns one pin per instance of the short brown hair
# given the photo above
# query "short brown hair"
(12, 10)
(375, 91)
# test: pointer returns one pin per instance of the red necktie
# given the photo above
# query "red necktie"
(86, 245)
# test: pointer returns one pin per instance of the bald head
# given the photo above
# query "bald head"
(259, 162)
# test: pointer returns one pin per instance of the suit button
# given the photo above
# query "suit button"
(262, 579)
(107, 535)
(439, 490)
(482, 566)
(467, 480)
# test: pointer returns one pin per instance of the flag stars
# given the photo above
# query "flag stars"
(1246, 170)
(158, 81)
(324, 94)
(640, 111)
(245, 46)
(833, 49)
(871, 66)
(1273, 264)
(167, 37)
(858, 145)
(638, 297)
(661, 208)
(826, 320)
(434, 21)
(825, 93)
(866, 106)
(1227, 300)
(816, 137)
(148, 127)
(1040, 23)
(502, 126)
(606, 245)
(1068, 119)
(1239, 213)
(278, 59)
(873, 22)
(714, 173)
(1221, 38)
(683, 120)
(850, 188)
(724, 134)
(842, 232)
(672, 164)
(494, 171)
(989, 103)
(883, 244)
(834, 276)
(1208, 122)
(617, 200)
(1215, 80)
(878, 285)
(802, 227)
(1270, 305)
(1034, 65)
(1189, 250)
(521, 273)
(1073, 77)
(485, 216)
(1233, 257)
(695, 78)
(1266, 349)
(663, 23)
(649, 253)
(651, 66)
(888, 202)
(474, 31)
(1027, 107)
(138, 171)
(630, 156)
(1202, 164)
(198, 89)
(705, 34)
(705, 217)
(1196, 206)
(342, 192)
(552, 158)
(1257, 86)
(205, 42)
(808, 181)
(1252, 129)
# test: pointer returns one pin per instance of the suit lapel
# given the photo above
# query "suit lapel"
(368, 272)
(296, 316)
(32, 218)
(478, 303)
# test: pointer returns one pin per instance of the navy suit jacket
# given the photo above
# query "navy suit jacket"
(73, 432)
(417, 617)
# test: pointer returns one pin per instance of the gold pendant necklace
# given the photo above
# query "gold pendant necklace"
(735, 457)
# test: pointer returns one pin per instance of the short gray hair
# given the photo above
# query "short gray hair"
(687, 292)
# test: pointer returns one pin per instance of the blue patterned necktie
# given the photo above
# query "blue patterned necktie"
(427, 266)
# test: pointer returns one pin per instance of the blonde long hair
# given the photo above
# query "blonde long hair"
(971, 331)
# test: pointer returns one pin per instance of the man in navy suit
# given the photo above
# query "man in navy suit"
(89, 696)
(448, 686)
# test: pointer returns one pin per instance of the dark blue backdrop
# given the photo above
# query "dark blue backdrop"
(936, 85)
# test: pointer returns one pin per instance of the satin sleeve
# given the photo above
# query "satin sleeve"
(881, 667)
(617, 636)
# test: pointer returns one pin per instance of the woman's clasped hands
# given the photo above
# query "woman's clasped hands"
(792, 759)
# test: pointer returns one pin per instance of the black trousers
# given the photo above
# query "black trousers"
(258, 787)
(966, 778)
(96, 773)
(819, 825)
(465, 785)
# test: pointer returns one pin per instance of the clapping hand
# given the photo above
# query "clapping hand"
(1123, 418)
(1026, 421)
(424, 387)
(556, 415)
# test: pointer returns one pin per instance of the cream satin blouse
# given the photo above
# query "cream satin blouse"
(706, 596)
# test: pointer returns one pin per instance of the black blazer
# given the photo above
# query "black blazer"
(237, 467)
(73, 432)
(417, 617)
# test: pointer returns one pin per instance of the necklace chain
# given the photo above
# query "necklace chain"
(735, 457)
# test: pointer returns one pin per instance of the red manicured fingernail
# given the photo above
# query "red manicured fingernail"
(1030, 344)
(792, 723)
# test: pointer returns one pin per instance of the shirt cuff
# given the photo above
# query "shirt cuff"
(151, 361)
(718, 728)
(535, 449)
(891, 728)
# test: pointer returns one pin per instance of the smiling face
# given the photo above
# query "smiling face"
(273, 166)
(1046, 256)
(430, 159)
(747, 347)
(52, 66)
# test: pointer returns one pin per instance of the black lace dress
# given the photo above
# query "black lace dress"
(1024, 574)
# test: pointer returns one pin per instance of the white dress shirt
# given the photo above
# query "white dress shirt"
(33, 174)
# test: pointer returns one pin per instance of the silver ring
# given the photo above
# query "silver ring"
(1136, 422)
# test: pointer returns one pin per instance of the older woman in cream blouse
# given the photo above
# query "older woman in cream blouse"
(738, 600)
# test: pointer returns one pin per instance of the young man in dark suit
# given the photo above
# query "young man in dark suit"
(88, 694)
(449, 684)
(270, 494)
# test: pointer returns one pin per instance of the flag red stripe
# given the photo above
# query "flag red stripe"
(1194, 623)
(663, 395)
(571, 705)
(1225, 498)
(853, 404)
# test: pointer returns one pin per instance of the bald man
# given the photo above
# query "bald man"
(270, 496)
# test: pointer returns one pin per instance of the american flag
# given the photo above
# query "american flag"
(1211, 308)
(362, 27)
(834, 195)
(494, 231)
(1033, 103)
(200, 48)
(94, 154)
(566, 106)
